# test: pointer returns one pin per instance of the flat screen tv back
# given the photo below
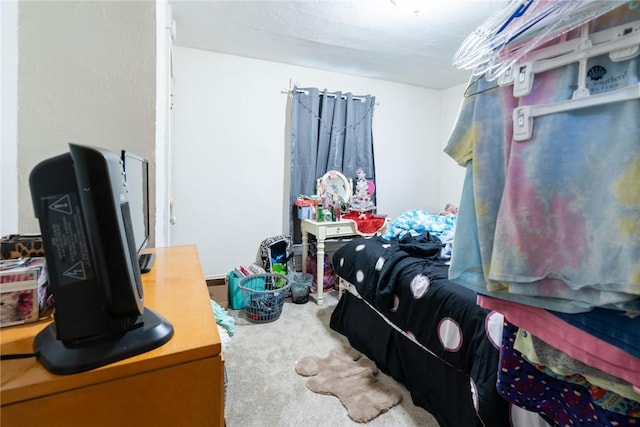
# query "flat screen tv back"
(136, 172)
(81, 204)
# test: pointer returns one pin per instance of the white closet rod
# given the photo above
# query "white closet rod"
(523, 116)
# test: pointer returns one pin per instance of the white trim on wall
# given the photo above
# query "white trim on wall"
(163, 122)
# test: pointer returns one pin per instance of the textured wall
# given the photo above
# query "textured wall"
(8, 114)
(86, 75)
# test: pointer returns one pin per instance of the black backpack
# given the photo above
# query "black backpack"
(276, 254)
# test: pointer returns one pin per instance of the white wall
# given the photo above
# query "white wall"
(8, 117)
(87, 75)
(229, 163)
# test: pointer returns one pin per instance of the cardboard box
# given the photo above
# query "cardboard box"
(218, 291)
(23, 290)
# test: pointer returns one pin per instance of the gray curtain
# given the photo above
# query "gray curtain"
(329, 131)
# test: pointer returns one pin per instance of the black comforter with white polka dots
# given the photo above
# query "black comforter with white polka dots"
(433, 337)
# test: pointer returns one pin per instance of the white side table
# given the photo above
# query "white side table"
(322, 231)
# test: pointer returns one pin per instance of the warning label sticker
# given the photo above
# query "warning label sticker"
(76, 272)
(68, 237)
(62, 205)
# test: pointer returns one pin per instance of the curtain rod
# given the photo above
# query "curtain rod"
(330, 95)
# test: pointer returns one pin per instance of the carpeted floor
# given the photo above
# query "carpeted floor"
(264, 389)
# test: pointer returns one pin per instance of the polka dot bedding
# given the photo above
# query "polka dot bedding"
(451, 366)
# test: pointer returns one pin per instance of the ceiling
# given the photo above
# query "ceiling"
(370, 38)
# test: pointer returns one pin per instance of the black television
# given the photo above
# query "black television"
(82, 206)
(136, 172)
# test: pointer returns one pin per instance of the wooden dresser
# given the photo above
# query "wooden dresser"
(180, 383)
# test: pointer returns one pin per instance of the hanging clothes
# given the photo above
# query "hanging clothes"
(554, 220)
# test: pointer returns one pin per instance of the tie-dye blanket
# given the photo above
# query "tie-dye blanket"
(417, 221)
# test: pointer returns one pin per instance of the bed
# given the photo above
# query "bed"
(463, 356)
(400, 309)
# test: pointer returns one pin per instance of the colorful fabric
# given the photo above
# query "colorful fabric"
(480, 140)
(556, 216)
(569, 222)
(567, 403)
(416, 221)
(537, 352)
(470, 256)
(567, 338)
(615, 327)
(366, 223)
